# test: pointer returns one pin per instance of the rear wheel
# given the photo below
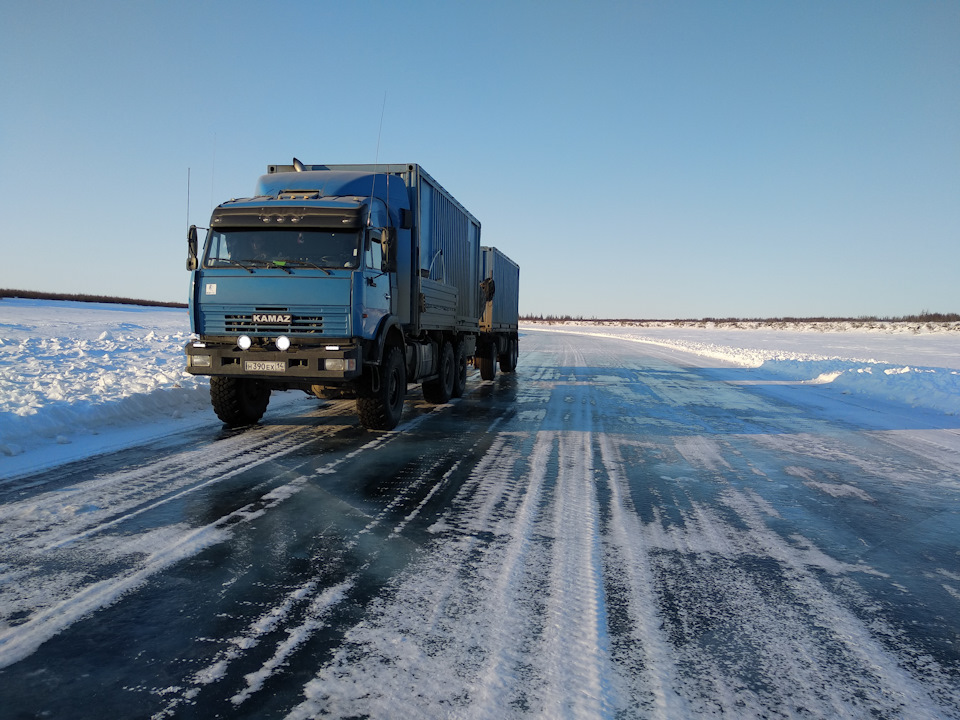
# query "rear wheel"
(440, 390)
(239, 401)
(508, 360)
(460, 367)
(487, 362)
(381, 409)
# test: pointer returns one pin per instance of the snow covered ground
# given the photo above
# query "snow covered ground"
(78, 379)
(82, 378)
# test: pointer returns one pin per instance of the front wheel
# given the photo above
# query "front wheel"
(381, 409)
(239, 401)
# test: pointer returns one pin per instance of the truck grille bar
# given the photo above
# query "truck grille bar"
(331, 322)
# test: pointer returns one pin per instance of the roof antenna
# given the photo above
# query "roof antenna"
(376, 164)
(297, 165)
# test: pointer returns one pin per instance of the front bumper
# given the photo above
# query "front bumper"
(328, 363)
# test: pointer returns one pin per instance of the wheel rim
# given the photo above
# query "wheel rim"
(449, 370)
(394, 397)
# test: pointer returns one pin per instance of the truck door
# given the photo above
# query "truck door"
(379, 291)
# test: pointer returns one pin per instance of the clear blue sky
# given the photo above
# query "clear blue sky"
(638, 159)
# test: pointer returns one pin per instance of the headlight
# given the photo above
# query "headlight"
(200, 360)
(244, 342)
(340, 364)
(283, 343)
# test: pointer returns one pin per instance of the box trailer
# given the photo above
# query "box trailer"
(500, 316)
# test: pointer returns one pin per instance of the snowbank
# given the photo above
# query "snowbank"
(71, 370)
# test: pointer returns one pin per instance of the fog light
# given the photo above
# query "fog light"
(283, 343)
(200, 360)
(340, 364)
(244, 342)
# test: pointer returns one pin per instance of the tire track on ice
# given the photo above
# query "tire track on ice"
(491, 623)
(645, 656)
(320, 603)
(498, 681)
(316, 614)
(425, 647)
(862, 667)
(578, 676)
(756, 631)
(49, 601)
(310, 607)
(57, 517)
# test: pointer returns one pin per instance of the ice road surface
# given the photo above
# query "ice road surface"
(675, 523)
(913, 363)
(77, 378)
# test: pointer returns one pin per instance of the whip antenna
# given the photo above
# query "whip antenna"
(376, 161)
(213, 170)
(383, 109)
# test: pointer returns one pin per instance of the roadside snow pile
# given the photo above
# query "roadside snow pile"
(919, 368)
(72, 368)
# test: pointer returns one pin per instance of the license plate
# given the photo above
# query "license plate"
(265, 366)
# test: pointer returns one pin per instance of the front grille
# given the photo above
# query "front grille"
(242, 324)
(333, 322)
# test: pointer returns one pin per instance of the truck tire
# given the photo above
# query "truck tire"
(440, 391)
(487, 362)
(460, 367)
(381, 409)
(239, 401)
(508, 360)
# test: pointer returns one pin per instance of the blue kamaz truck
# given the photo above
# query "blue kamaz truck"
(347, 281)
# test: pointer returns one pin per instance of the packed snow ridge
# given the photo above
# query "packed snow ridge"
(79, 378)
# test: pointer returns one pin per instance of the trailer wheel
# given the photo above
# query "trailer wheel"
(239, 401)
(487, 362)
(440, 390)
(508, 361)
(460, 366)
(381, 409)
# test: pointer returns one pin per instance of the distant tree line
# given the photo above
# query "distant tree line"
(924, 317)
(33, 295)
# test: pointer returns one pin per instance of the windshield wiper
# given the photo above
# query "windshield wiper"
(306, 263)
(230, 261)
(261, 263)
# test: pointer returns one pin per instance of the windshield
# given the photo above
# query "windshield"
(261, 248)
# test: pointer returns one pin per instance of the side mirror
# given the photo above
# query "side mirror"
(192, 248)
(386, 243)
